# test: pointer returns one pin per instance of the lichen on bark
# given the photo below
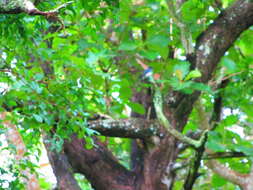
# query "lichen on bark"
(16, 6)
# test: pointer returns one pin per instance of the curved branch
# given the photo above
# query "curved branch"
(61, 168)
(211, 45)
(227, 173)
(96, 164)
(219, 37)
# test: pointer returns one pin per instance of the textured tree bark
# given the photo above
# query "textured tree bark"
(128, 128)
(150, 159)
(99, 166)
(62, 169)
(210, 47)
(103, 171)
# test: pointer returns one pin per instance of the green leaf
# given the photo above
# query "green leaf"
(201, 87)
(246, 150)
(150, 55)
(91, 132)
(246, 43)
(159, 40)
(215, 146)
(181, 70)
(56, 143)
(229, 65)
(181, 85)
(11, 103)
(230, 120)
(125, 90)
(92, 58)
(38, 76)
(35, 86)
(218, 181)
(192, 10)
(89, 143)
(193, 74)
(125, 10)
(83, 44)
(38, 118)
(138, 108)
(128, 46)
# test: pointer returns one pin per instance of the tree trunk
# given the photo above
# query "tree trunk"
(62, 169)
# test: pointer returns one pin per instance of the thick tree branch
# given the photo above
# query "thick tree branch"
(218, 38)
(130, 128)
(211, 45)
(243, 180)
(96, 164)
(62, 169)
(226, 172)
(27, 6)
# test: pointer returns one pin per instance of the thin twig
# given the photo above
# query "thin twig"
(51, 15)
(213, 83)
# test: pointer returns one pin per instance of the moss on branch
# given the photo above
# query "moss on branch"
(158, 103)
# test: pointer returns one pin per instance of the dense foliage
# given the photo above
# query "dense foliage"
(59, 80)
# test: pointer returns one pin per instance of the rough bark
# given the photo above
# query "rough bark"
(99, 166)
(128, 128)
(61, 168)
(210, 47)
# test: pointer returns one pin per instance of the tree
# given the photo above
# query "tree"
(73, 72)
